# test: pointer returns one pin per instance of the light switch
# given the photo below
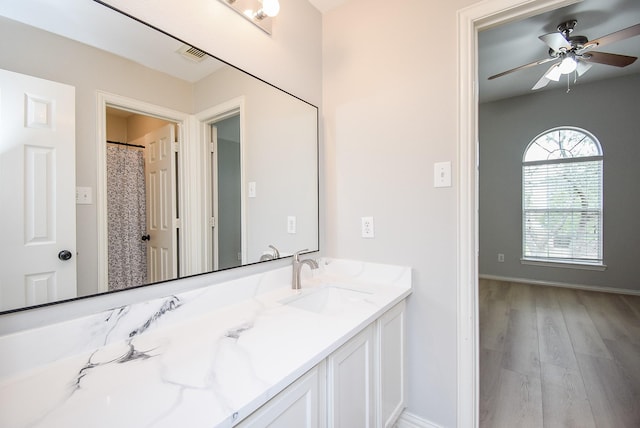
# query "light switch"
(442, 174)
(84, 196)
(252, 189)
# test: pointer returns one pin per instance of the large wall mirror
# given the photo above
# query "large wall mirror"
(128, 157)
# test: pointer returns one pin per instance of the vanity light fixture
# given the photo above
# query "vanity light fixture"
(259, 12)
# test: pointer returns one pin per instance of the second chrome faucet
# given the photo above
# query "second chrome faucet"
(296, 283)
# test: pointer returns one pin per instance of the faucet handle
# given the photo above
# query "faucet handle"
(276, 253)
(297, 254)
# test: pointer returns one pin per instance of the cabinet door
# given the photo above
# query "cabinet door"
(296, 406)
(350, 385)
(392, 376)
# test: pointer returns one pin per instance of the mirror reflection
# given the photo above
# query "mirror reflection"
(129, 157)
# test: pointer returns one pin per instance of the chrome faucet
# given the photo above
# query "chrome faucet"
(276, 253)
(296, 284)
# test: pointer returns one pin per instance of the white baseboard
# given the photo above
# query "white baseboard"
(409, 420)
(562, 284)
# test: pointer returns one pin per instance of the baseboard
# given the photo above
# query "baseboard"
(409, 420)
(562, 284)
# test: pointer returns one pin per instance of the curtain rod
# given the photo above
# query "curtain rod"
(125, 144)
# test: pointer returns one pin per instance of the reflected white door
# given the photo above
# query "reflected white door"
(37, 191)
(162, 261)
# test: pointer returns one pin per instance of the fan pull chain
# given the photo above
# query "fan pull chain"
(568, 83)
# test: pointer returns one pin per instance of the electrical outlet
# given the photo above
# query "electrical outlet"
(291, 224)
(367, 227)
(500, 257)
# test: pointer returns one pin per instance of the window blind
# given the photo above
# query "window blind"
(562, 211)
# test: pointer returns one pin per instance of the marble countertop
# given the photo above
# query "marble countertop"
(176, 362)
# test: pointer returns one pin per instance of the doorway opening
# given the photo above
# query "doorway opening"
(471, 20)
(141, 163)
(226, 198)
(139, 193)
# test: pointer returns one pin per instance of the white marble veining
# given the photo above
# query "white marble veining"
(206, 358)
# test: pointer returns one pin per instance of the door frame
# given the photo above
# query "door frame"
(205, 119)
(471, 20)
(104, 100)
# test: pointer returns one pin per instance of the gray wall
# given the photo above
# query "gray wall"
(609, 110)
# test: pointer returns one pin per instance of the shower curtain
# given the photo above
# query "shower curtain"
(126, 208)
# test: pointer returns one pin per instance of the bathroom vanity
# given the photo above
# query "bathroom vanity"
(249, 352)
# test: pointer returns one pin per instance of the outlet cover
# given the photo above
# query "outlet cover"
(367, 227)
(291, 224)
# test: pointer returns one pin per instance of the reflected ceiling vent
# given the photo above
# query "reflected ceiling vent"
(192, 54)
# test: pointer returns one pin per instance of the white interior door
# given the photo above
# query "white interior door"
(161, 204)
(37, 191)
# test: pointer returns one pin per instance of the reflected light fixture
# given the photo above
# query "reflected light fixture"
(258, 12)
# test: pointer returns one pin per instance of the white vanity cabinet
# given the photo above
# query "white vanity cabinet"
(392, 379)
(361, 384)
(351, 398)
(300, 405)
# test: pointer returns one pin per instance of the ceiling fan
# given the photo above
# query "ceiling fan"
(574, 53)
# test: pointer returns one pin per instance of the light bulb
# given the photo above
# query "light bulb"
(270, 7)
(568, 65)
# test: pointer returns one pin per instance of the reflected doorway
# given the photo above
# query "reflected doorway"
(141, 162)
(226, 186)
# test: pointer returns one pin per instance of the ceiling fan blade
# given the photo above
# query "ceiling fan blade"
(632, 31)
(522, 67)
(541, 83)
(609, 59)
(555, 41)
(582, 67)
(544, 80)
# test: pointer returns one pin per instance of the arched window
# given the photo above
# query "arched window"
(562, 198)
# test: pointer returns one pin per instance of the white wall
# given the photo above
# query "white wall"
(279, 130)
(390, 113)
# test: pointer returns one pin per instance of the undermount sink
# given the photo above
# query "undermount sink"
(326, 299)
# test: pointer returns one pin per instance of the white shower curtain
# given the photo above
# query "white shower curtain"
(126, 208)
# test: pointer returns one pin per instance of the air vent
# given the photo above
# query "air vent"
(192, 54)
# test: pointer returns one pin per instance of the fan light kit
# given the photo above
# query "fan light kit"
(258, 12)
(574, 53)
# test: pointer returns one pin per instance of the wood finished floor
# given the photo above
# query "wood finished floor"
(556, 357)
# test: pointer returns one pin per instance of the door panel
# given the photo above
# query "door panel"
(161, 204)
(37, 190)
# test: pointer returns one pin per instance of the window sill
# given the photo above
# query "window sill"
(566, 265)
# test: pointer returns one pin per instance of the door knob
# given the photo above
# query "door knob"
(64, 255)
(146, 237)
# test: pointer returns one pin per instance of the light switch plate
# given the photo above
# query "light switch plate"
(442, 174)
(84, 196)
(252, 189)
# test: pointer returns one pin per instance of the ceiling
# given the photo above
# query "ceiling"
(516, 43)
(136, 42)
(326, 5)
